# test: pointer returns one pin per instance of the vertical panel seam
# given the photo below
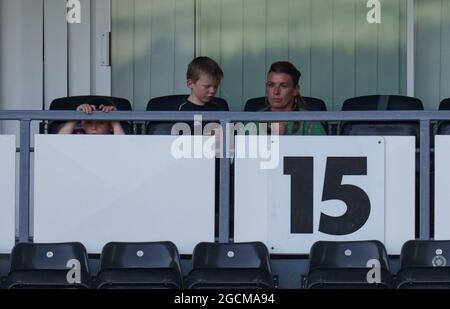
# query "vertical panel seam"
(174, 44)
(441, 39)
(332, 53)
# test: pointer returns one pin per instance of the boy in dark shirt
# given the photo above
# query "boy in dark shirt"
(203, 78)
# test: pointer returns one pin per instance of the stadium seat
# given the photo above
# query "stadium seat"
(344, 265)
(46, 266)
(231, 265)
(424, 264)
(311, 104)
(139, 265)
(71, 103)
(381, 102)
(444, 126)
(172, 103)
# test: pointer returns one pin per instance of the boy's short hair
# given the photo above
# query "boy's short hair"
(204, 65)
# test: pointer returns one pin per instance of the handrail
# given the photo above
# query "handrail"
(424, 118)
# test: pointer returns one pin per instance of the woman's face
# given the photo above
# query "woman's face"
(281, 91)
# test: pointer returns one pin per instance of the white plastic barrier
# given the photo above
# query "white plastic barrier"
(97, 189)
(327, 188)
(442, 188)
(7, 192)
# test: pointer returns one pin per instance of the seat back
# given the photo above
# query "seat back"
(444, 126)
(71, 103)
(380, 129)
(382, 102)
(231, 255)
(172, 103)
(117, 255)
(310, 104)
(425, 253)
(338, 255)
(34, 256)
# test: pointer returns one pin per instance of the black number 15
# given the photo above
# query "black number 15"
(301, 170)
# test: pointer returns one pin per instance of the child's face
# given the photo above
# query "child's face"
(97, 127)
(204, 89)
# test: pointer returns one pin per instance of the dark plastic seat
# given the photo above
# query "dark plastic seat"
(45, 266)
(424, 265)
(311, 104)
(444, 126)
(71, 103)
(381, 102)
(230, 265)
(344, 265)
(172, 103)
(150, 265)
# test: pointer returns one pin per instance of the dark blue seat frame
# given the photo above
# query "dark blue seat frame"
(344, 265)
(45, 266)
(231, 265)
(139, 265)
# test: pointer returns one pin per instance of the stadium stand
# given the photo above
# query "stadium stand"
(424, 265)
(230, 265)
(139, 265)
(344, 265)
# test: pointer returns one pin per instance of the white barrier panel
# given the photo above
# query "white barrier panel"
(327, 188)
(97, 189)
(442, 187)
(7, 192)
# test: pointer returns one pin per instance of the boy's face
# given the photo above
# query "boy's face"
(97, 127)
(204, 89)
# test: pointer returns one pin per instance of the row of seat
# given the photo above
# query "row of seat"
(226, 265)
(374, 102)
(173, 102)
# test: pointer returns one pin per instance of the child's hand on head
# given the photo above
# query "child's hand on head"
(86, 108)
(107, 108)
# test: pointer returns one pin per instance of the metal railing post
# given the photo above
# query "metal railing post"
(424, 205)
(24, 181)
(224, 191)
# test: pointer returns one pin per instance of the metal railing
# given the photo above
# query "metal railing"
(423, 118)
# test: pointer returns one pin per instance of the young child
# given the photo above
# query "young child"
(203, 79)
(97, 126)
